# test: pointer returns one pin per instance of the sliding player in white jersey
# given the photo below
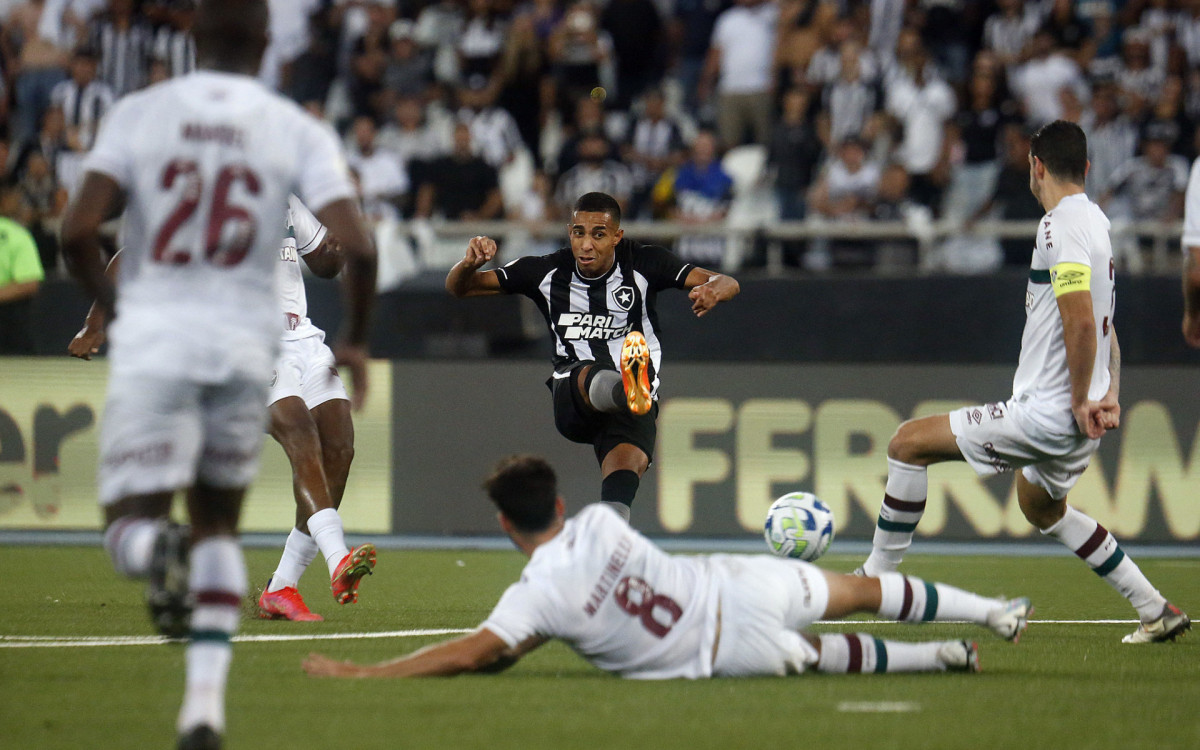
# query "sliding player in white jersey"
(202, 165)
(1064, 395)
(629, 608)
(1191, 259)
(309, 416)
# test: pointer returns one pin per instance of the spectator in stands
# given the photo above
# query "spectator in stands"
(923, 105)
(414, 141)
(1070, 31)
(384, 183)
(975, 134)
(590, 118)
(655, 144)
(891, 203)
(125, 42)
(482, 40)
(639, 45)
(1038, 81)
(45, 200)
(703, 192)
(1007, 31)
(20, 276)
(460, 186)
(690, 29)
(1011, 200)
(944, 31)
(493, 130)
(1187, 33)
(1149, 187)
(850, 104)
(409, 69)
(847, 186)
(740, 70)
(368, 62)
(173, 44)
(1136, 77)
(794, 155)
(50, 140)
(312, 72)
(1169, 107)
(580, 54)
(83, 99)
(826, 64)
(519, 79)
(804, 27)
(1112, 139)
(40, 66)
(596, 172)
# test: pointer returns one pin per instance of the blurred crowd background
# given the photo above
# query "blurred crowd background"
(832, 113)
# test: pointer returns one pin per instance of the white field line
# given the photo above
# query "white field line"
(54, 641)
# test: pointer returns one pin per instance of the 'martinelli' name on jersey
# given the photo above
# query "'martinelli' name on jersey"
(577, 327)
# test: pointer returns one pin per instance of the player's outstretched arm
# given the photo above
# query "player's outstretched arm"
(343, 220)
(98, 198)
(1191, 296)
(707, 288)
(327, 260)
(464, 280)
(481, 651)
(1079, 337)
(91, 337)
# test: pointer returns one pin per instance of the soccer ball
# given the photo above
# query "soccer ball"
(799, 526)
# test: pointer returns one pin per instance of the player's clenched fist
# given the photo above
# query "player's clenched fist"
(479, 251)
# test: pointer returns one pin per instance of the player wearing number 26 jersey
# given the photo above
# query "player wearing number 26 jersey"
(202, 166)
(1065, 395)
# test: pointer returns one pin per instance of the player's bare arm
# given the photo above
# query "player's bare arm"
(707, 288)
(465, 280)
(99, 197)
(92, 336)
(1191, 296)
(343, 220)
(1110, 404)
(481, 651)
(1079, 337)
(327, 260)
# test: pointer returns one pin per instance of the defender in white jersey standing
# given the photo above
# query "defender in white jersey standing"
(202, 165)
(309, 417)
(629, 608)
(1191, 259)
(1064, 395)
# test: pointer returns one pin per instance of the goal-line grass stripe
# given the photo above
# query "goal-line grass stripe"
(55, 641)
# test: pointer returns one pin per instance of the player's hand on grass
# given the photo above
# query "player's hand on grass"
(354, 358)
(86, 343)
(479, 251)
(319, 665)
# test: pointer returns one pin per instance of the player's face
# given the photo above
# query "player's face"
(594, 238)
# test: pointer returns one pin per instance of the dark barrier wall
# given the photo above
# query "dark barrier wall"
(733, 437)
(937, 319)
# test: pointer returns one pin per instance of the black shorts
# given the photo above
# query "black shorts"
(579, 423)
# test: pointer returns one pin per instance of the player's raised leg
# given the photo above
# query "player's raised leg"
(621, 471)
(916, 444)
(1092, 543)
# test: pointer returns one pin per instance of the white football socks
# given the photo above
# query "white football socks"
(903, 505)
(217, 580)
(130, 543)
(909, 599)
(852, 653)
(299, 551)
(325, 527)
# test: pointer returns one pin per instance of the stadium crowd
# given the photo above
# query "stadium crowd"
(493, 109)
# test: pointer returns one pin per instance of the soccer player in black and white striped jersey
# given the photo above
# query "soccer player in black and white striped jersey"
(83, 98)
(598, 298)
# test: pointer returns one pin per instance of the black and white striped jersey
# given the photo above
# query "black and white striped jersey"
(589, 318)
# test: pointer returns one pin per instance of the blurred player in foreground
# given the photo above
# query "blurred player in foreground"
(598, 298)
(310, 417)
(202, 165)
(1064, 395)
(1191, 259)
(629, 608)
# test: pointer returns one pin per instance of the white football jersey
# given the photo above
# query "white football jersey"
(1073, 251)
(206, 162)
(616, 599)
(304, 234)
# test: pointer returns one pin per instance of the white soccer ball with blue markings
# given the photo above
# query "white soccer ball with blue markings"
(799, 526)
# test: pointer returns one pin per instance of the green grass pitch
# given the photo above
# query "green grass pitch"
(1065, 686)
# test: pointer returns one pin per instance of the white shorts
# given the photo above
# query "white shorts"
(305, 370)
(162, 435)
(997, 438)
(765, 603)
